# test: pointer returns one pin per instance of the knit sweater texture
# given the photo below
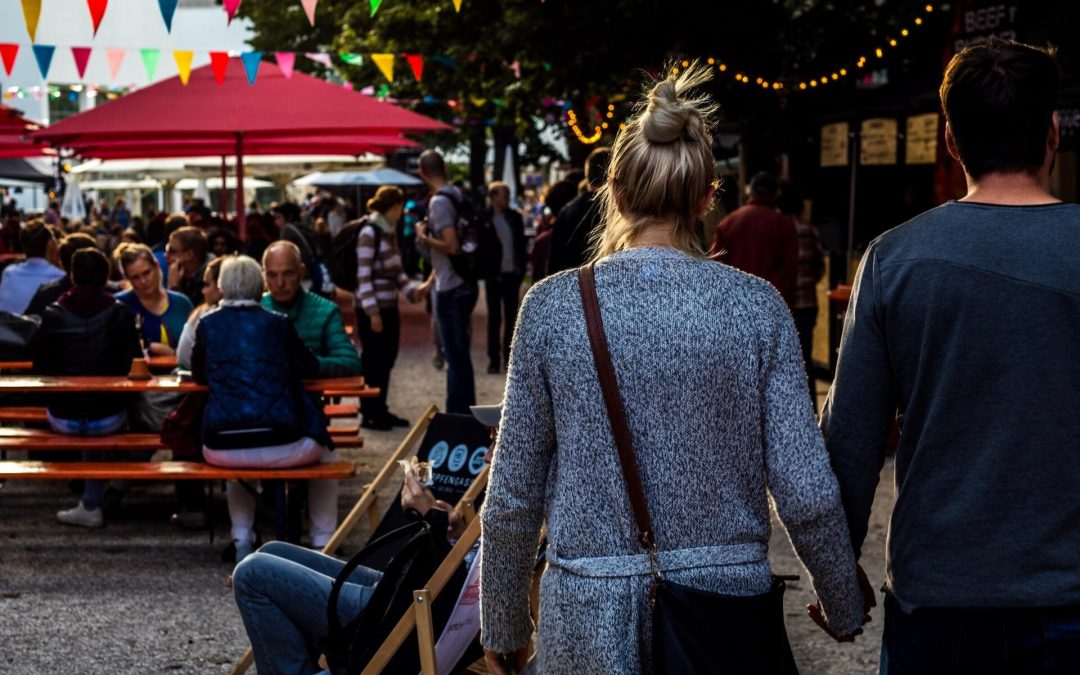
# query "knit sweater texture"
(710, 374)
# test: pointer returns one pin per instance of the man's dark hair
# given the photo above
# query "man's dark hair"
(89, 268)
(34, 238)
(432, 164)
(999, 98)
(192, 239)
(75, 241)
(289, 211)
(596, 165)
(763, 184)
(174, 223)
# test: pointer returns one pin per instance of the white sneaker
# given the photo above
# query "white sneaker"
(81, 516)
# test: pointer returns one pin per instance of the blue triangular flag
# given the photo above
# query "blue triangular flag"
(251, 65)
(168, 9)
(44, 54)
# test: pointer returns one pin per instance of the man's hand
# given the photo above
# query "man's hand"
(176, 275)
(160, 349)
(421, 292)
(869, 602)
(506, 664)
(376, 323)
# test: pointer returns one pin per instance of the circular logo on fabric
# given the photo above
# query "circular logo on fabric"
(438, 454)
(476, 462)
(457, 458)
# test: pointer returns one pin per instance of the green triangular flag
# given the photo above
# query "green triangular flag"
(150, 60)
(375, 6)
(352, 59)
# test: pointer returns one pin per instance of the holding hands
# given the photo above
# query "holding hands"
(869, 602)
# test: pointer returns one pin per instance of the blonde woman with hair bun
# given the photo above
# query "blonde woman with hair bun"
(710, 376)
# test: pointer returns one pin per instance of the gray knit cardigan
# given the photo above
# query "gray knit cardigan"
(711, 377)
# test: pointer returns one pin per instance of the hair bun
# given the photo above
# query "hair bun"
(669, 112)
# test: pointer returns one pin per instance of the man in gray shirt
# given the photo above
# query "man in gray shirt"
(455, 298)
(964, 327)
(503, 291)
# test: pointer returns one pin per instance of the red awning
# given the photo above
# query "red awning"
(274, 106)
(14, 139)
(289, 145)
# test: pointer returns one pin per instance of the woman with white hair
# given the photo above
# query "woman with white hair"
(257, 414)
(707, 369)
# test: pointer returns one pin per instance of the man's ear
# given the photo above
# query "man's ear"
(1053, 139)
(303, 271)
(950, 143)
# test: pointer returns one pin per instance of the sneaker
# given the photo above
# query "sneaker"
(189, 520)
(438, 361)
(81, 516)
(396, 421)
(376, 424)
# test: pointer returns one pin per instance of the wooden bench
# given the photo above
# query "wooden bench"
(36, 414)
(43, 439)
(167, 471)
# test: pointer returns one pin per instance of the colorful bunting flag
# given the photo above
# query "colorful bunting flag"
(385, 64)
(286, 61)
(168, 9)
(478, 102)
(183, 64)
(352, 59)
(8, 52)
(115, 57)
(309, 9)
(251, 65)
(447, 61)
(31, 10)
(97, 12)
(219, 62)
(457, 5)
(516, 67)
(375, 6)
(416, 62)
(82, 57)
(230, 8)
(320, 57)
(44, 54)
(150, 60)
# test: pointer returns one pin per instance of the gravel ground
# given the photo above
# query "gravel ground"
(140, 596)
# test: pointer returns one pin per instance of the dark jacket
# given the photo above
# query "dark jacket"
(760, 240)
(570, 236)
(86, 333)
(254, 363)
(50, 292)
(517, 227)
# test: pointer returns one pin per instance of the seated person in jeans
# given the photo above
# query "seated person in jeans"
(257, 413)
(87, 332)
(282, 590)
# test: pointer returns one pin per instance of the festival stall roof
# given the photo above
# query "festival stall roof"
(352, 146)
(215, 183)
(375, 177)
(23, 170)
(233, 113)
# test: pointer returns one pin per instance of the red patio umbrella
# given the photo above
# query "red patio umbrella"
(14, 141)
(290, 145)
(234, 114)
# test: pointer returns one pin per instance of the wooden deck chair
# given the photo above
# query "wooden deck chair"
(368, 504)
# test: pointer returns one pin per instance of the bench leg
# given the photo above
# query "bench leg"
(295, 491)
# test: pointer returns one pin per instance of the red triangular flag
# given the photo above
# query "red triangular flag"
(82, 57)
(219, 61)
(97, 11)
(8, 52)
(416, 62)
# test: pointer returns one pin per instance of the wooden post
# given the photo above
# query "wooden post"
(223, 196)
(425, 631)
(241, 225)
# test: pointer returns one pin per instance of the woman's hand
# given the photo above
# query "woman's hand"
(376, 323)
(421, 292)
(415, 496)
(160, 349)
(505, 664)
(869, 602)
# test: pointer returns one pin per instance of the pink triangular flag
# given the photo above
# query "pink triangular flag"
(82, 57)
(309, 9)
(230, 8)
(115, 57)
(286, 61)
(320, 57)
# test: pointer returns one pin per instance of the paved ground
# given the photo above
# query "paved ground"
(141, 597)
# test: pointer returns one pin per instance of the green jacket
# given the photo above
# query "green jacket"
(319, 323)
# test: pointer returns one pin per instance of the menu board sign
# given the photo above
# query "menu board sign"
(834, 144)
(920, 146)
(878, 145)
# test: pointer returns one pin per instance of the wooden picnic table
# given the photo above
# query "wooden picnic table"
(158, 364)
(42, 384)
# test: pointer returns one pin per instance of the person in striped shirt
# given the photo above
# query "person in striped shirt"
(379, 278)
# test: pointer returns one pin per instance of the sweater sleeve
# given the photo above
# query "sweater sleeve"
(514, 507)
(341, 358)
(861, 407)
(365, 271)
(802, 485)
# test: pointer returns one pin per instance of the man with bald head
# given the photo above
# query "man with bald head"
(317, 320)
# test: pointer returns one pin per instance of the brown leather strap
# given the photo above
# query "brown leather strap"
(605, 371)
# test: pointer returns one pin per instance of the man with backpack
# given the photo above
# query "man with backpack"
(313, 248)
(455, 296)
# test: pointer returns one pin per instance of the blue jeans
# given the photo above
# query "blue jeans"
(92, 489)
(453, 309)
(994, 641)
(281, 591)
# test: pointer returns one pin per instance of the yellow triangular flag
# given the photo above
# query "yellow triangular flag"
(183, 64)
(478, 102)
(31, 12)
(457, 5)
(385, 64)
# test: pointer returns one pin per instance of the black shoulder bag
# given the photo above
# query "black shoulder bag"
(694, 631)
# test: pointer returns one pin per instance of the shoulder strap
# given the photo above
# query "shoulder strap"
(605, 371)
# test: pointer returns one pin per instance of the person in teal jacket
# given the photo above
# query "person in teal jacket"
(317, 320)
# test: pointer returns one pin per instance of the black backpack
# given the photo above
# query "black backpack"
(481, 252)
(343, 252)
(318, 272)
